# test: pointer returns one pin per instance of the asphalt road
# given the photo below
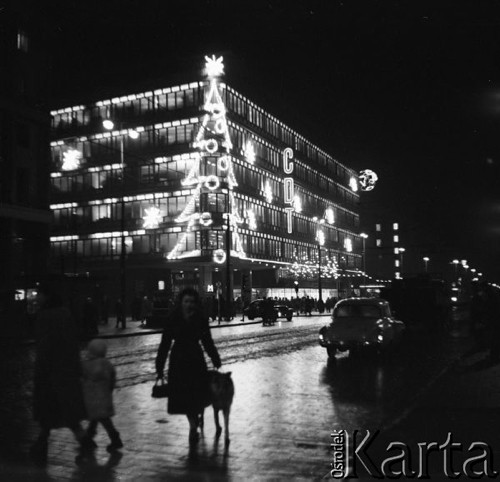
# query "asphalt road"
(289, 398)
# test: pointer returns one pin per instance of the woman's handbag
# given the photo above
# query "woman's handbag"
(160, 389)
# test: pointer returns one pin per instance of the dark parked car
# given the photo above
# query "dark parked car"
(361, 323)
(256, 310)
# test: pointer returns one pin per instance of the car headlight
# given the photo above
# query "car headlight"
(321, 337)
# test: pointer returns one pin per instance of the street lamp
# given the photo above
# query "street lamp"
(426, 262)
(108, 124)
(364, 236)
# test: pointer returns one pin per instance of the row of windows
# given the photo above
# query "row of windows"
(254, 247)
(130, 109)
(240, 106)
(267, 219)
(271, 158)
(108, 149)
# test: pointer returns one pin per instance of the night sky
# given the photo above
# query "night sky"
(408, 89)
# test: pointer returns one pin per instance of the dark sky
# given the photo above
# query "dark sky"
(409, 89)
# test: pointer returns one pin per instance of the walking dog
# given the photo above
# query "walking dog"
(221, 393)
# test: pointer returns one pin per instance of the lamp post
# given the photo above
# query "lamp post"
(364, 236)
(320, 238)
(426, 262)
(109, 125)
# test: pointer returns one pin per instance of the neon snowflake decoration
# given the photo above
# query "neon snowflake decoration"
(252, 222)
(330, 216)
(268, 192)
(152, 218)
(249, 153)
(297, 204)
(71, 160)
(214, 66)
(367, 179)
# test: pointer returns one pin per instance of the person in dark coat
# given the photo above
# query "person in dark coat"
(186, 327)
(58, 398)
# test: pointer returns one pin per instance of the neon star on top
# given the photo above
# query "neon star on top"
(214, 66)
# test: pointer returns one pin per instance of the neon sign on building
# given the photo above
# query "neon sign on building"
(289, 186)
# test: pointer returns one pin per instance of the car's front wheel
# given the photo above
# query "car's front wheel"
(331, 350)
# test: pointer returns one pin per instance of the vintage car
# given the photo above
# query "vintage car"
(361, 323)
(256, 310)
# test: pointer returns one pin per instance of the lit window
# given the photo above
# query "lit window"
(398, 275)
(378, 227)
(161, 285)
(396, 263)
(395, 226)
(22, 41)
(379, 243)
(396, 238)
(396, 250)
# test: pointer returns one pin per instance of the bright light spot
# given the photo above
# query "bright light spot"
(330, 216)
(353, 184)
(252, 223)
(71, 160)
(249, 152)
(133, 134)
(219, 256)
(454, 299)
(297, 204)
(161, 285)
(214, 66)
(320, 236)
(348, 245)
(108, 124)
(152, 218)
(268, 192)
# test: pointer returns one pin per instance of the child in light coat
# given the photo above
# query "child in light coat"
(98, 383)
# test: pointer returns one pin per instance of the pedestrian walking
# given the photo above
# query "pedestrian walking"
(58, 398)
(146, 310)
(186, 327)
(98, 377)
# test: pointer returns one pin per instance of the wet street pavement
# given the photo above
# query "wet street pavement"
(288, 399)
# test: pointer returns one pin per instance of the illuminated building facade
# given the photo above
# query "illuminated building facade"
(184, 163)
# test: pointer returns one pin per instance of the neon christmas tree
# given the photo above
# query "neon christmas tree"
(207, 176)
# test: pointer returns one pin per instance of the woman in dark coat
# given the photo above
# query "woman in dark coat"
(58, 396)
(187, 372)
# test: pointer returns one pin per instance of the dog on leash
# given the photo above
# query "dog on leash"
(221, 393)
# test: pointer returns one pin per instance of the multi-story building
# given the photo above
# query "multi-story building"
(178, 165)
(24, 160)
(385, 251)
